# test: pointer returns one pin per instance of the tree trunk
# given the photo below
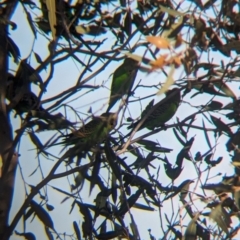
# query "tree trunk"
(8, 160)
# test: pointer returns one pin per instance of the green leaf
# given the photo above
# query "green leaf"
(87, 224)
(123, 3)
(42, 214)
(172, 173)
(49, 207)
(49, 234)
(30, 22)
(54, 121)
(27, 74)
(206, 135)
(152, 146)
(29, 2)
(114, 188)
(38, 58)
(191, 231)
(218, 188)
(178, 137)
(103, 227)
(95, 171)
(184, 187)
(112, 160)
(28, 214)
(198, 156)
(35, 140)
(44, 26)
(207, 158)
(26, 235)
(92, 30)
(13, 50)
(224, 87)
(128, 23)
(184, 152)
(79, 181)
(175, 28)
(210, 162)
(77, 230)
(213, 105)
(221, 217)
(109, 235)
(237, 72)
(221, 125)
(134, 229)
(127, 204)
(143, 207)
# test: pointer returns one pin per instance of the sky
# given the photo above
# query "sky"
(65, 75)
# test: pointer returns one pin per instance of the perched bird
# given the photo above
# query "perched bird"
(21, 98)
(93, 132)
(28, 102)
(123, 80)
(162, 112)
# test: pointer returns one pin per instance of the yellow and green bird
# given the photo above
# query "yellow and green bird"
(123, 80)
(94, 132)
(21, 98)
(161, 112)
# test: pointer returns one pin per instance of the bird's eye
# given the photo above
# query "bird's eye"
(112, 122)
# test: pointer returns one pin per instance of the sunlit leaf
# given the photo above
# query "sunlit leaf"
(52, 16)
(159, 42)
(171, 11)
(222, 218)
(191, 231)
(224, 87)
(169, 82)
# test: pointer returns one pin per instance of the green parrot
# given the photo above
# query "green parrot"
(28, 102)
(123, 80)
(162, 112)
(24, 101)
(93, 132)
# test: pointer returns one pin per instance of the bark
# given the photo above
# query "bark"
(8, 159)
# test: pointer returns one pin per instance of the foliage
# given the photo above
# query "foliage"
(175, 167)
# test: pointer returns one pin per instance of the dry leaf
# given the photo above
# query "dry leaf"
(159, 62)
(159, 42)
(175, 60)
(178, 41)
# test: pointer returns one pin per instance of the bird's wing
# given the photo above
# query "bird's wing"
(88, 129)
